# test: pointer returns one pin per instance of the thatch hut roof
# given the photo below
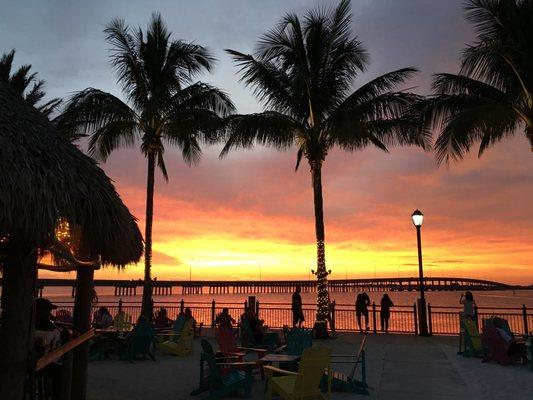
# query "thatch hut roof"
(44, 177)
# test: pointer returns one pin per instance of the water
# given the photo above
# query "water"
(489, 299)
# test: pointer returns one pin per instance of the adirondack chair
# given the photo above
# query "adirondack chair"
(504, 352)
(174, 333)
(348, 383)
(297, 340)
(183, 346)
(122, 321)
(469, 339)
(139, 343)
(227, 344)
(306, 382)
(222, 377)
(248, 339)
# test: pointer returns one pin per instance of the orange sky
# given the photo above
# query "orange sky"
(251, 213)
(230, 219)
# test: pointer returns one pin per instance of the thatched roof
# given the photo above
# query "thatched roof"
(43, 177)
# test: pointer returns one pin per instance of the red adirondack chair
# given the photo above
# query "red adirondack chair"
(227, 344)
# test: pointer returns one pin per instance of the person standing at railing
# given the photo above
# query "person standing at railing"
(297, 310)
(469, 305)
(224, 320)
(361, 309)
(385, 305)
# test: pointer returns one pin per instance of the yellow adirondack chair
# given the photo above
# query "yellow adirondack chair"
(122, 321)
(183, 346)
(306, 382)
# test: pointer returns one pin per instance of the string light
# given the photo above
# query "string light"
(63, 232)
(322, 284)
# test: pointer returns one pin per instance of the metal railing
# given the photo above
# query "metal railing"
(442, 320)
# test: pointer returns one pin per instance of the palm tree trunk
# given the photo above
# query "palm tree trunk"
(17, 361)
(321, 273)
(147, 289)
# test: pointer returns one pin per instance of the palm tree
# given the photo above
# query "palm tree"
(492, 96)
(302, 72)
(163, 106)
(21, 80)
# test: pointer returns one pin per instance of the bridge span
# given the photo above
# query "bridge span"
(164, 287)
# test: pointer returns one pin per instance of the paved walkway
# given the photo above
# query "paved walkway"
(398, 367)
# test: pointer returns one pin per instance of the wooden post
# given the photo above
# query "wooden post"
(524, 315)
(257, 308)
(120, 305)
(182, 306)
(415, 317)
(17, 356)
(82, 323)
(213, 313)
(374, 319)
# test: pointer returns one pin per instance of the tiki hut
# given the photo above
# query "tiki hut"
(44, 179)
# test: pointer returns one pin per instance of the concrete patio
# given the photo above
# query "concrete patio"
(398, 367)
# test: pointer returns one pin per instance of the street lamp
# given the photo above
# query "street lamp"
(418, 218)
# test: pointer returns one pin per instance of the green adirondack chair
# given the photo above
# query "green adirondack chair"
(470, 344)
(223, 377)
(306, 382)
(298, 339)
(140, 343)
(348, 383)
(248, 339)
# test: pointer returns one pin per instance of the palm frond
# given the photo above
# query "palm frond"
(268, 129)
(202, 96)
(111, 121)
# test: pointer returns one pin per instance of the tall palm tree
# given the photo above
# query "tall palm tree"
(26, 84)
(302, 72)
(491, 97)
(164, 106)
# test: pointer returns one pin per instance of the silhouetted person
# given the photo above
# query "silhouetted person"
(297, 311)
(224, 320)
(361, 308)
(256, 324)
(469, 305)
(161, 319)
(386, 304)
(102, 319)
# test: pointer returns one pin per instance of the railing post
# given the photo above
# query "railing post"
(245, 305)
(415, 318)
(182, 306)
(524, 315)
(374, 318)
(120, 305)
(332, 323)
(476, 319)
(430, 323)
(213, 313)
(257, 308)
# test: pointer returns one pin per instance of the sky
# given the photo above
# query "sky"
(250, 215)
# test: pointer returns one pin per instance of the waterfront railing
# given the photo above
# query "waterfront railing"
(442, 320)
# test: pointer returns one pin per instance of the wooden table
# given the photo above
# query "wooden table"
(271, 358)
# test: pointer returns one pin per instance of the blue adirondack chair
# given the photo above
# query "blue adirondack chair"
(297, 340)
(222, 377)
(140, 343)
(248, 339)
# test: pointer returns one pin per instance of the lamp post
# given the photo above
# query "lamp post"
(418, 218)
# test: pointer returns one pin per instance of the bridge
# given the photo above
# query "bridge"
(167, 287)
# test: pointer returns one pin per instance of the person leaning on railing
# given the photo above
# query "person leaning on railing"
(469, 305)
